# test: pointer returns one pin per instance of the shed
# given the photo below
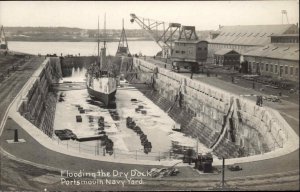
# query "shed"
(227, 57)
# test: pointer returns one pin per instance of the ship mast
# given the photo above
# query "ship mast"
(103, 49)
(98, 43)
(104, 30)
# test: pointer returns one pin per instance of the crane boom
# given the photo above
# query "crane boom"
(165, 39)
(180, 44)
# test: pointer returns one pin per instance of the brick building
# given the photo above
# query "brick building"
(227, 57)
(243, 38)
(279, 59)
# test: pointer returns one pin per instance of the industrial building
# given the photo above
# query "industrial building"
(279, 59)
(244, 38)
(227, 57)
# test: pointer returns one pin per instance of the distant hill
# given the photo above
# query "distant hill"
(76, 34)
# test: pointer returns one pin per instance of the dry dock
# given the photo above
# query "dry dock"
(42, 151)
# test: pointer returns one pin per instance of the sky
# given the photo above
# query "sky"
(205, 15)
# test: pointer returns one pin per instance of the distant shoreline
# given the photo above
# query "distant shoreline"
(67, 40)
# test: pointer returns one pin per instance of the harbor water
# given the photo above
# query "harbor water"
(83, 48)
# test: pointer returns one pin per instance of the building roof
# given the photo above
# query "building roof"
(277, 51)
(286, 35)
(252, 34)
(190, 41)
(225, 51)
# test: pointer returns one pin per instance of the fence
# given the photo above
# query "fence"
(98, 150)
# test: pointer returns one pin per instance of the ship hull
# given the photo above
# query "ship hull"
(106, 99)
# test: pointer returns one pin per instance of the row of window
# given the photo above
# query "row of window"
(190, 51)
(274, 69)
(227, 58)
(236, 47)
(285, 40)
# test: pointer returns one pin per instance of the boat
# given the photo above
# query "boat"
(101, 81)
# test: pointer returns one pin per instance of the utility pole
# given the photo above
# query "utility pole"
(223, 172)
(197, 147)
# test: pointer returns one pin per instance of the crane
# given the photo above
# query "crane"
(165, 39)
(123, 49)
(179, 43)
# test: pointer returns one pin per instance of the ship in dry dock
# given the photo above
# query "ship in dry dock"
(101, 81)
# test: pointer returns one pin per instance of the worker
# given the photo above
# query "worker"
(257, 100)
(189, 155)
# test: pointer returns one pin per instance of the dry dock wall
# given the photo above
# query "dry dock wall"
(68, 63)
(38, 105)
(232, 126)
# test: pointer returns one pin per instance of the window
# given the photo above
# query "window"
(267, 67)
(291, 70)
(199, 48)
(177, 51)
(261, 66)
(286, 70)
(275, 68)
(183, 52)
(296, 72)
(205, 48)
(271, 68)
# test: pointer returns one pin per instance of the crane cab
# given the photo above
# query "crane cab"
(190, 51)
(187, 54)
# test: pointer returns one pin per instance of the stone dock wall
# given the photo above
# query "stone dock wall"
(38, 105)
(230, 125)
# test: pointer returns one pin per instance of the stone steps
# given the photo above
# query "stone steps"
(226, 149)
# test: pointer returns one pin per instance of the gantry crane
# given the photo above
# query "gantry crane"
(179, 43)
